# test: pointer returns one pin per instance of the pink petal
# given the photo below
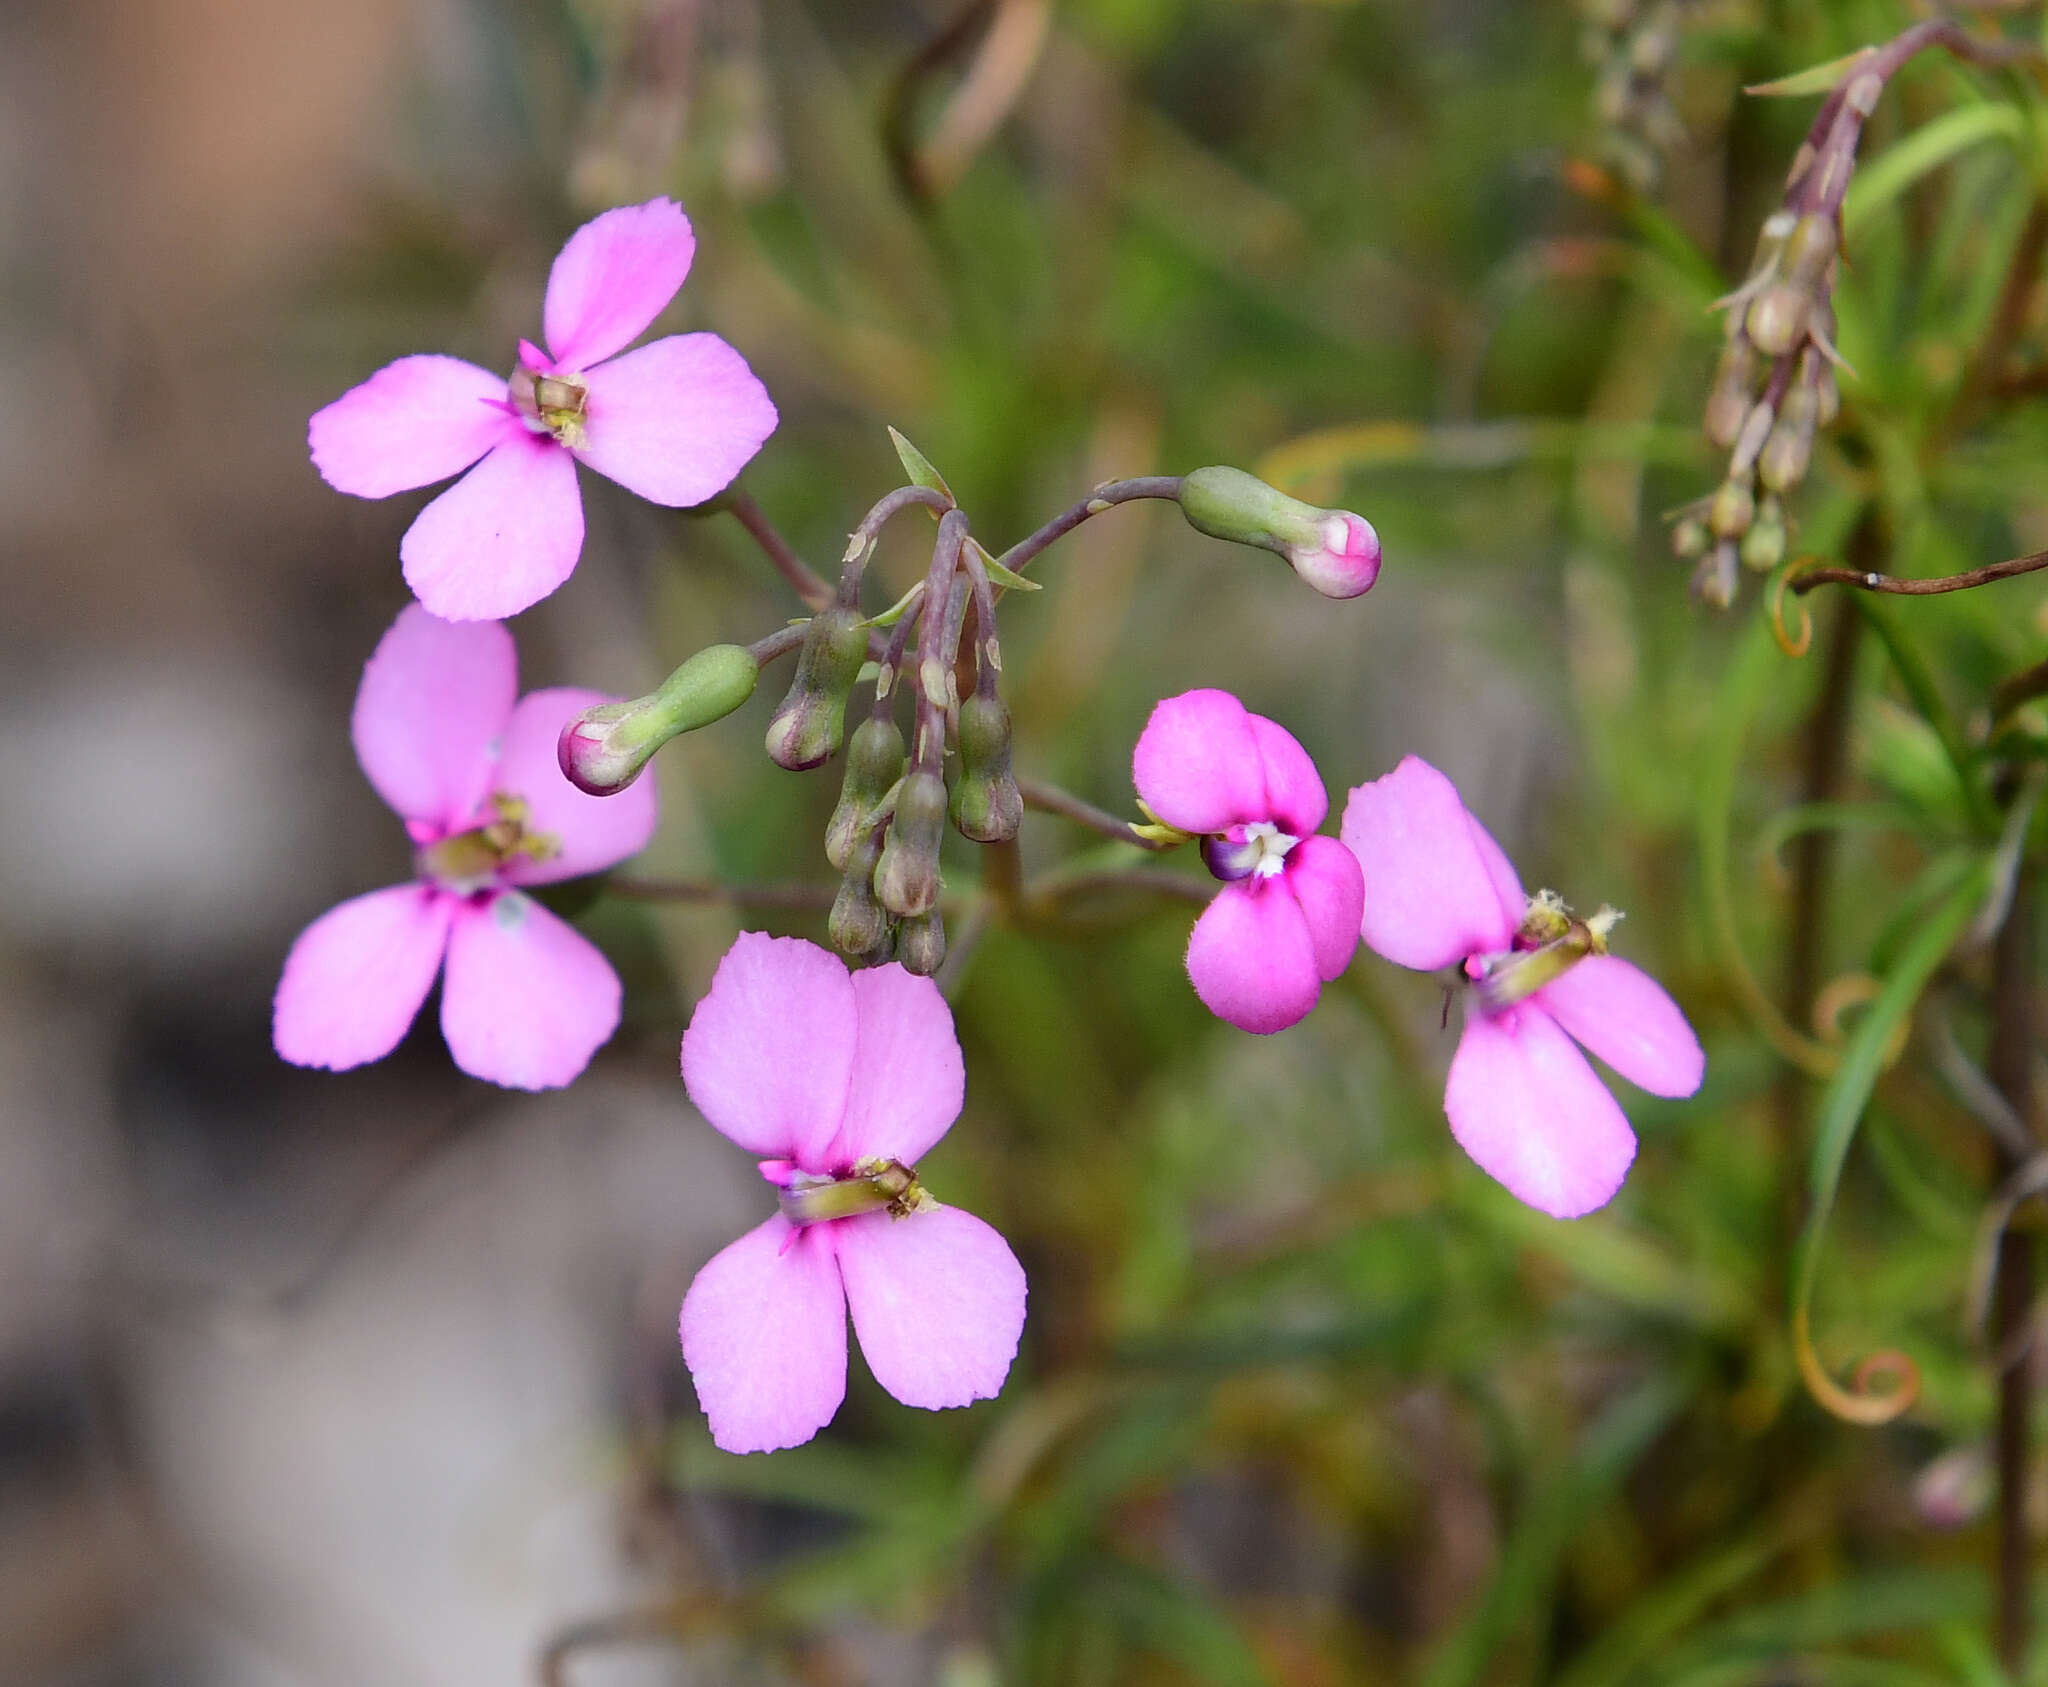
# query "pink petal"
(1432, 892)
(768, 1052)
(1325, 880)
(1500, 871)
(938, 1303)
(502, 537)
(1623, 1015)
(908, 1080)
(412, 423)
(528, 999)
(1251, 959)
(1197, 763)
(675, 420)
(355, 978)
(1524, 1104)
(433, 702)
(593, 832)
(764, 1335)
(1294, 790)
(613, 278)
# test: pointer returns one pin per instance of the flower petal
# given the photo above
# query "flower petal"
(592, 833)
(1623, 1015)
(1326, 882)
(355, 978)
(502, 537)
(1250, 957)
(433, 702)
(528, 999)
(412, 423)
(613, 278)
(768, 1052)
(1294, 790)
(1197, 763)
(1433, 893)
(908, 1080)
(764, 1335)
(938, 1303)
(675, 420)
(1524, 1104)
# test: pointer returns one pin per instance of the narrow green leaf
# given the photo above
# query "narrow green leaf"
(1007, 578)
(1814, 79)
(919, 467)
(1926, 149)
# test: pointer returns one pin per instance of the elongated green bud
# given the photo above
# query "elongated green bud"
(907, 876)
(808, 722)
(858, 924)
(986, 804)
(603, 749)
(921, 943)
(874, 762)
(1335, 551)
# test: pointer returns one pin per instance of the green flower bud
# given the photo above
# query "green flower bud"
(1335, 551)
(1713, 582)
(921, 943)
(1732, 510)
(986, 804)
(1777, 317)
(858, 924)
(602, 750)
(874, 762)
(808, 722)
(907, 876)
(1728, 405)
(1763, 546)
(1809, 250)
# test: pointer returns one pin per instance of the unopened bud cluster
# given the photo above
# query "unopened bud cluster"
(1773, 390)
(1634, 44)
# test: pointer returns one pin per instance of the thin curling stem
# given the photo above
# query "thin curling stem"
(1807, 579)
(1050, 799)
(860, 543)
(1018, 557)
(807, 585)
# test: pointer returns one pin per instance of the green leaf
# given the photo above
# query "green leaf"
(1814, 79)
(1007, 578)
(919, 468)
(1927, 148)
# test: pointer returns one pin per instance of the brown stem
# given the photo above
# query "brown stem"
(777, 549)
(860, 543)
(1104, 497)
(2022, 687)
(2010, 1062)
(710, 890)
(1050, 799)
(1864, 580)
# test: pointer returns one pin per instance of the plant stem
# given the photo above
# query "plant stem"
(1802, 583)
(1106, 496)
(777, 549)
(1050, 799)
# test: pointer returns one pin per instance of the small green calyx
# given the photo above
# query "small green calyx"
(1550, 941)
(471, 861)
(552, 404)
(872, 1186)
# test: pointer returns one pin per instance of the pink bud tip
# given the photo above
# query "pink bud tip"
(590, 759)
(1347, 561)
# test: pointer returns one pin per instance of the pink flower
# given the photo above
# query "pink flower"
(1522, 1100)
(527, 1000)
(1286, 920)
(673, 421)
(841, 1082)
(1344, 561)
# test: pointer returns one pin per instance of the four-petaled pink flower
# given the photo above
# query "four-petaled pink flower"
(674, 421)
(841, 1082)
(527, 1000)
(1522, 1100)
(1286, 920)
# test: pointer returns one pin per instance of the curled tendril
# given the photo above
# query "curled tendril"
(1793, 644)
(1881, 1387)
(1854, 990)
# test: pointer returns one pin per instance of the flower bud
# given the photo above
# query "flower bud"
(907, 876)
(986, 804)
(1777, 317)
(874, 762)
(1756, 428)
(808, 722)
(858, 924)
(1763, 546)
(603, 749)
(1713, 582)
(921, 943)
(1729, 403)
(1334, 551)
(1810, 249)
(1787, 452)
(1732, 510)
(1689, 538)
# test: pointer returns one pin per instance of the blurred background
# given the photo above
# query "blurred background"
(371, 1379)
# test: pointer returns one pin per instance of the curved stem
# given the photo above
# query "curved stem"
(1050, 799)
(1801, 584)
(860, 543)
(777, 549)
(778, 643)
(1104, 497)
